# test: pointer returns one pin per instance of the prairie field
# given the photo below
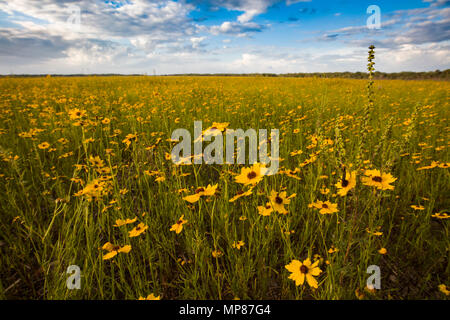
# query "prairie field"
(87, 179)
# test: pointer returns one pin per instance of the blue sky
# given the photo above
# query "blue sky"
(218, 36)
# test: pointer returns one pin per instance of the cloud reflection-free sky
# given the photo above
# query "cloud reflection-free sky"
(217, 36)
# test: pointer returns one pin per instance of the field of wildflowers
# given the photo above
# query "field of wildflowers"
(86, 179)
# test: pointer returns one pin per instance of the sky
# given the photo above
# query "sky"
(217, 36)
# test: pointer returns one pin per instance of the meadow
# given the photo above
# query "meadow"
(86, 179)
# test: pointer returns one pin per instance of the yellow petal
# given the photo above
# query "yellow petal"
(192, 198)
(315, 271)
(125, 249)
(109, 255)
(294, 266)
(107, 246)
(311, 280)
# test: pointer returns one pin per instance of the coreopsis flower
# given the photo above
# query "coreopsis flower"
(44, 145)
(433, 164)
(241, 194)
(252, 175)
(324, 207)
(382, 251)
(441, 215)
(301, 270)
(96, 161)
(177, 227)
(209, 190)
(443, 289)
(238, 244)
(444, 165)
(347, 183)
(129, 138)
(94, 190)
(151, 296)
(333, 249)
(161, 178)
(375, 233)
(291, 173)
(379, 180)
(114, 250)
(215, 129)
(138, 230)
(120, 222)
(295, 153)
(417, 207)
(201, 191)
(278, 200)
(265, 210)
(76, 114)
(217, 253)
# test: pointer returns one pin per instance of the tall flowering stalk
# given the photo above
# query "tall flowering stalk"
(368, 107)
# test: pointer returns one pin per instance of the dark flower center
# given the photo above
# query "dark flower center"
(278, 200)
(324, 206)
(200, 190)
(344, 183)
(251, 175)
(304, 269)
(115, 248)
(377, 179)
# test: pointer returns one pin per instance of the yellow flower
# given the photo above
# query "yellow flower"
(192, 198)
(324, 207)
(379, 180)
(382, 251)
(359, 294)
(217, 253)
(76, 114)
(241, 194)
(44, 145)
(346, 184)
(129, 138)
(96, 161)
(417, 207)
(433, 164)
(120, 222)
(333, 249)
(177, 227)
(114, 250)
(278, 200)
(265, 210)
(138, 230)
(238, 244)
(443, 289)
(252, 175)
(375, 233)
(441, 215)
(300, 271)
(208, 191)
(151, 296)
